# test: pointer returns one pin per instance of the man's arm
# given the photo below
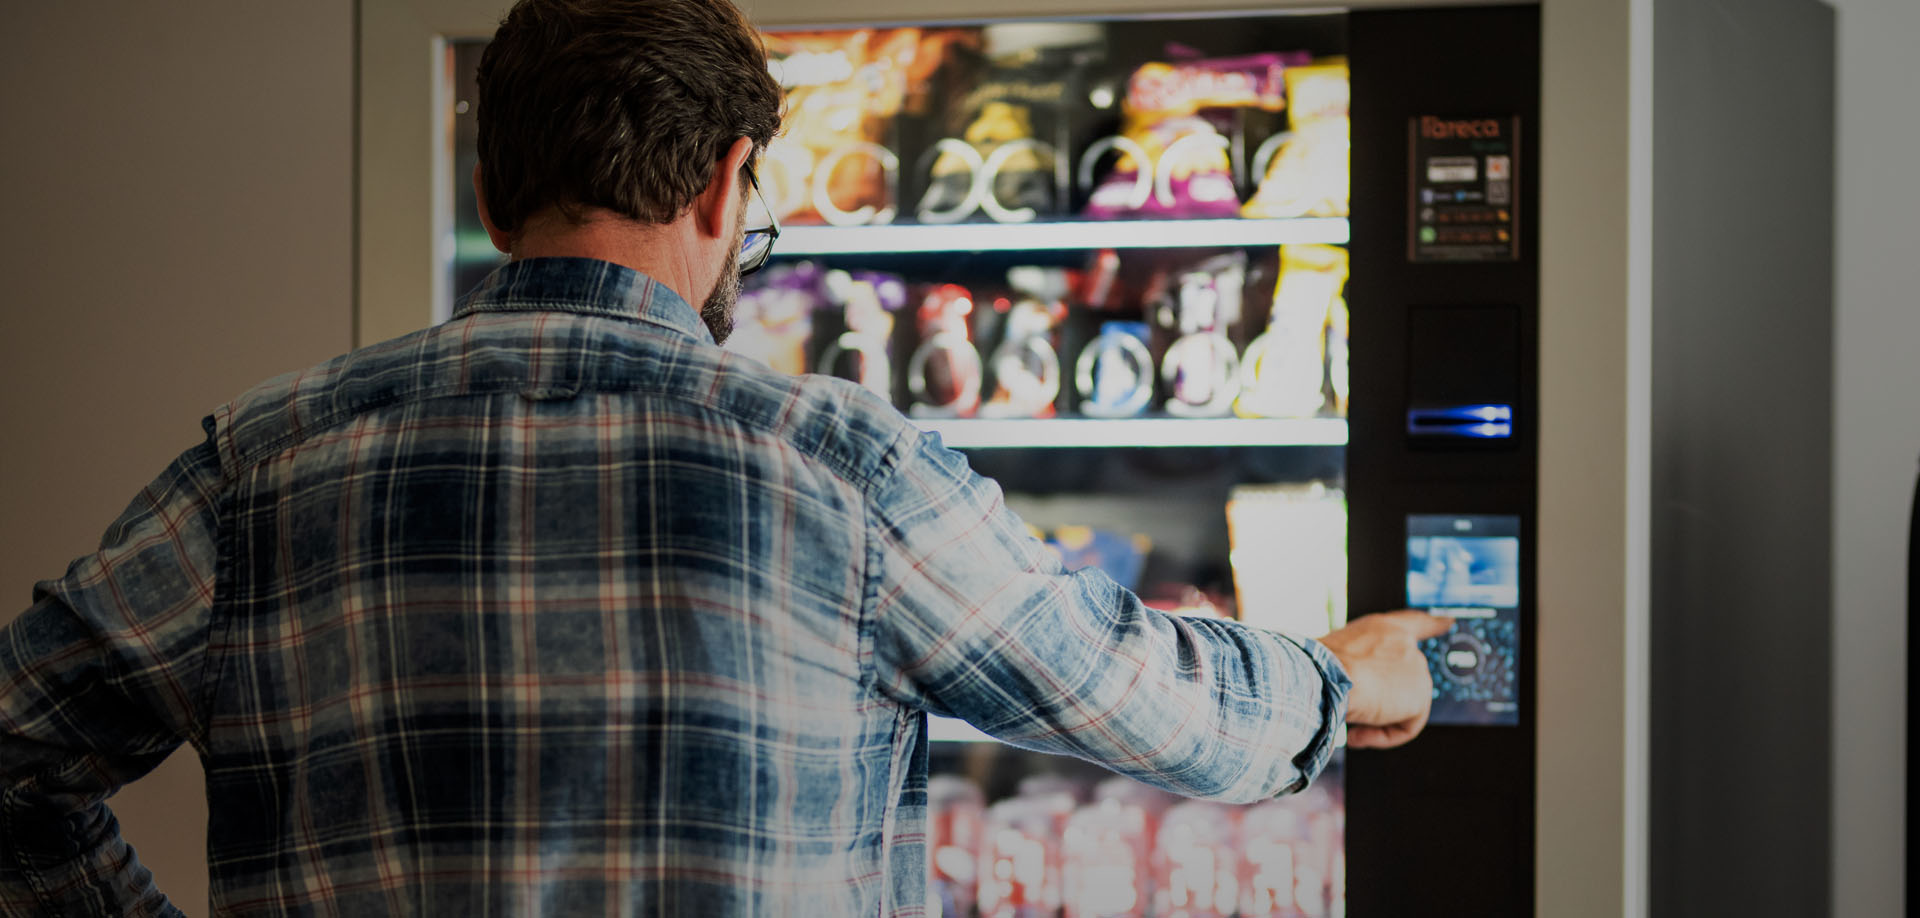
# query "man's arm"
(99, 681)
(974, 618)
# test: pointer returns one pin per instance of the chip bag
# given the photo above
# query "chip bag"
(1305, 172)
(830, 162)
(1174, 160)
(773, 318)
(998, 157)
(1284, 371)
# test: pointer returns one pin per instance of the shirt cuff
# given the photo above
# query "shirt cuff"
(1334, 686)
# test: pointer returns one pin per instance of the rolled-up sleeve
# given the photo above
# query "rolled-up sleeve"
(974, 618)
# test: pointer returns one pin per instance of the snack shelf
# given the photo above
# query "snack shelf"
(907, 238)
(1058, 433)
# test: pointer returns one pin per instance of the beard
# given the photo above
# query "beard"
(717, 311)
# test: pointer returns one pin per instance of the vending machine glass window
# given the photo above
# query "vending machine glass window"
(1109, 259)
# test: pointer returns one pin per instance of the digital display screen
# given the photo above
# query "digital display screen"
(1468, 568)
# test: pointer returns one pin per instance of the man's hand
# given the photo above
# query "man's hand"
(1392, 690)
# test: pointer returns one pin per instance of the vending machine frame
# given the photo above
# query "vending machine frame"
(1583, 801)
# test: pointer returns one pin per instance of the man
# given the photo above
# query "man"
(559, 609)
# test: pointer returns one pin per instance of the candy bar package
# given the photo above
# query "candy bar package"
(1285, 372)
(773, 318)
(956, 814)
(1199, 308)
(1023, 369)
(868, 300)
(1007, 131)
(832, 161)
(1174, 143)
(1305, 172)
(1114, 373)
(1289, 556)
(944, 371)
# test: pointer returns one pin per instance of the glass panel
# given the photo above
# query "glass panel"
(1106, 259)
(473, 254)
(1017, 833)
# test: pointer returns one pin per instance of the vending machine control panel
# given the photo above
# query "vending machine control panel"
(1467, 568)
(1443, 459)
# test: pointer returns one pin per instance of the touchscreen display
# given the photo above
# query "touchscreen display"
(1468, 568)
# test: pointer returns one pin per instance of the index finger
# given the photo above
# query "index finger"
(1421, 624)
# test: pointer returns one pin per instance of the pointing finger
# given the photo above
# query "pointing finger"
(1420, 624)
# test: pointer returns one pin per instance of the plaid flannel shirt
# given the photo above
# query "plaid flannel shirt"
(557, 608)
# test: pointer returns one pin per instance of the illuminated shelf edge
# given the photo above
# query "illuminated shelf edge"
(951, 730)
(979, 433)
(1089, 234)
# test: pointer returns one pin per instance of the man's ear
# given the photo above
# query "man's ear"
(713, 208)
(500, 240)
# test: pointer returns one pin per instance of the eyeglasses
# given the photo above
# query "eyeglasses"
(757, 244)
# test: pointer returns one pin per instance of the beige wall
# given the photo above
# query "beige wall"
(177, 188)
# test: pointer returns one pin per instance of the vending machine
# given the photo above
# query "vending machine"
(1240, 308)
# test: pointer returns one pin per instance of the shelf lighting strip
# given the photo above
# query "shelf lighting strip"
(1027, 237)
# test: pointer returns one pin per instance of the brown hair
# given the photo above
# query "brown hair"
(619, 104)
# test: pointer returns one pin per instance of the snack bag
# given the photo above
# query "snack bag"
(1284, 371)
(1305, 172)
(1114, 374)
(1174, 160)
(1009, 123)
(830, 162)
(1201, 368)
(944, 373)
(1024, 368)
(869, 299)
(773, 319)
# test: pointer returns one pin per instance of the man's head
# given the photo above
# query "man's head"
(626, 110)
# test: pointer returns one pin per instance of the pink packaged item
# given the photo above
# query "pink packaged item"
(956, 813)
(1173, 159)
(1021, 847)
(1196, 861)
(1279, 874)
(1106, 861)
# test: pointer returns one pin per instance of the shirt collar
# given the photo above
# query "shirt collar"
(585, 286)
